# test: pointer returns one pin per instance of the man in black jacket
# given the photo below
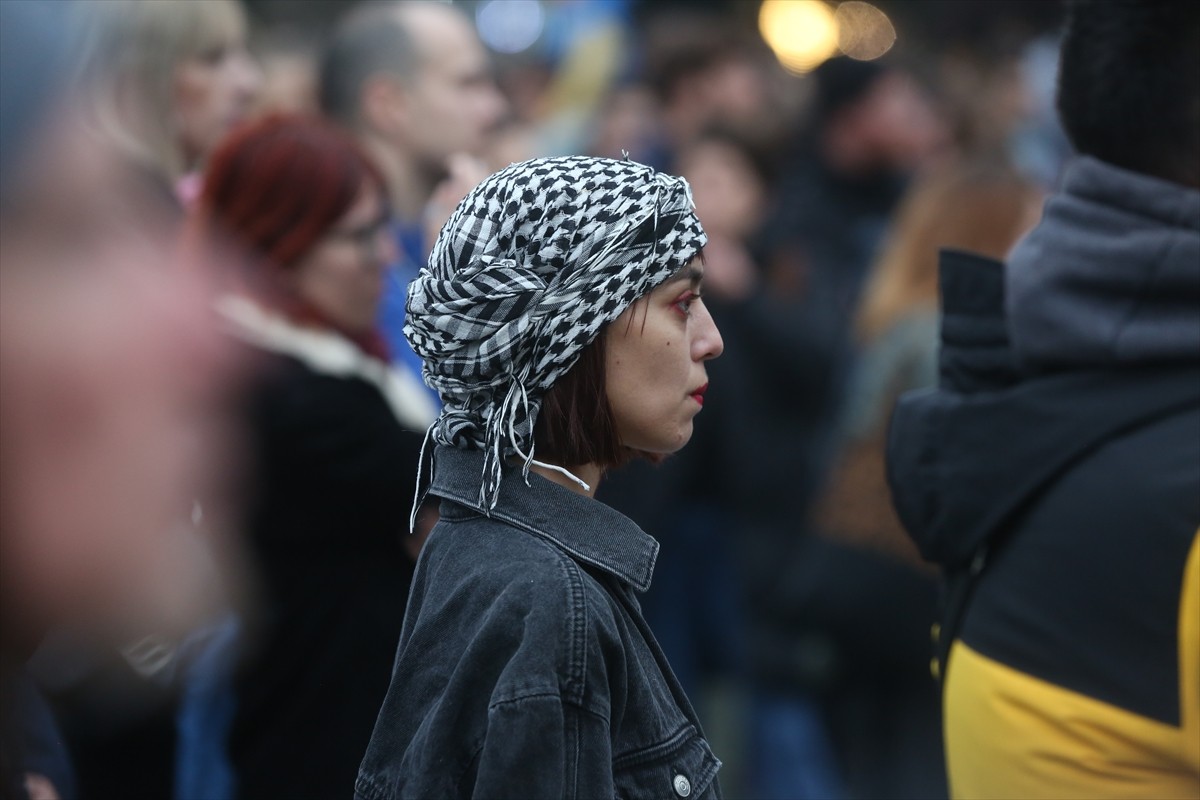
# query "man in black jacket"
(1055, 472)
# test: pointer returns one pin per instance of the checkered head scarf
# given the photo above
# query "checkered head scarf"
(531, 267)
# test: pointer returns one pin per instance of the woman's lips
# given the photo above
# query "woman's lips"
(698, 395)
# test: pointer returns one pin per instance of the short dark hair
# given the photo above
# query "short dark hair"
(1129, 84)
(576, 424)
(371, 40)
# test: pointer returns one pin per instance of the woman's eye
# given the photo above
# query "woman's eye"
(684, 304)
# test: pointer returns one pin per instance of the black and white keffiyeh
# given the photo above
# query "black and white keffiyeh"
(533, 264)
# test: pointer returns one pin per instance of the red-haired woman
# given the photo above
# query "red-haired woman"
(334, 446)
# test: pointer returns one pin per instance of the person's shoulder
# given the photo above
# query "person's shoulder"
(1148, 473)
(290, 391)
(519, 597)
(518, 569)
(504, 560)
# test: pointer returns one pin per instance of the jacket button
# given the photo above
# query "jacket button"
(935, 632)
(683, 787)
(935, 669)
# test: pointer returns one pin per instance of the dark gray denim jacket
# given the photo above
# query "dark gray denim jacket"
(525, 668)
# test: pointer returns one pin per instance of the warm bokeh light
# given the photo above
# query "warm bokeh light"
(864, 32)
(802, 33)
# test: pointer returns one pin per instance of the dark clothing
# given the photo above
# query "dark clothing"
(45, 749)
(1055, 476)
(872, 601)
(333, 471)
(118, 724)
(825, 232)
(795, 335)
(525, 668)
(30, 740)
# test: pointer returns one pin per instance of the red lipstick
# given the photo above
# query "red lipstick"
(698, 395)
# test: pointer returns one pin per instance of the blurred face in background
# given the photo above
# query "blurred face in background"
(343, 275)
(451, 104)
(215, 87)
(736, 89)
(728, 191)
(629, 122)
(110, 375)
(900, 121)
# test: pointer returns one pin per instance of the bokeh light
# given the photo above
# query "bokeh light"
(864, 32)
(510, 26)
(801, 33)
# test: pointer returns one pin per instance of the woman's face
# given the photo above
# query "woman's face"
(655, 354)
(342, 275)
(214, 90)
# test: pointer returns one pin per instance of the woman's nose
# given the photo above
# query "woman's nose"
(384, 248)
(708, 343)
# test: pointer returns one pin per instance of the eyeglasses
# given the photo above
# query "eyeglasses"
(365, 237)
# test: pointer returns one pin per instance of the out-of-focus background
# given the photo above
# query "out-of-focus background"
(832, 147)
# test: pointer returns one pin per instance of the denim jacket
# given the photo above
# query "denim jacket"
(525, 667)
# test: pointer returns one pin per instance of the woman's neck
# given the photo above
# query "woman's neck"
(588, 473)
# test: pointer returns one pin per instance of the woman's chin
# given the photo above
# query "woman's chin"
(660, 441)
(679, 441)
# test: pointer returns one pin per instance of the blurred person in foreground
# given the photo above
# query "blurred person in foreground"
(162, 81)
(413, 83)
(110, 389)
(873, 599)
(561, 320)
(170, 78)
(1054, 472)
(333, 437)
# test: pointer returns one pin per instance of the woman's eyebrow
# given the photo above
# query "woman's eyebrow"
(692, 275)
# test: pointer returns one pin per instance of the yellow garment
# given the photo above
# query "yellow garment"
(1010, 735)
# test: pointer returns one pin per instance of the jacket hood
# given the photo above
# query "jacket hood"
(964, 458)
(1111, 276)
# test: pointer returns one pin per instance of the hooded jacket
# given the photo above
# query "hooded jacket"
(1054, 474)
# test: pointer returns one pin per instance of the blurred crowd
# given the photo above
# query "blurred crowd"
(212, 422)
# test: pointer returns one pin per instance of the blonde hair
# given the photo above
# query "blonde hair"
(983, 207)
(134, 48)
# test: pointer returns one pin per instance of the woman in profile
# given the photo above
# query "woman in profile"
(560, 320)
(333, 435)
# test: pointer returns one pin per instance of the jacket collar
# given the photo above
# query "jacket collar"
(588, 530)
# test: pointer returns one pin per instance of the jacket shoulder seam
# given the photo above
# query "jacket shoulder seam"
(573, 689)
